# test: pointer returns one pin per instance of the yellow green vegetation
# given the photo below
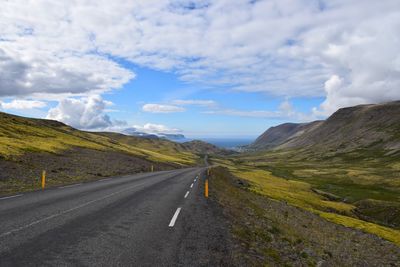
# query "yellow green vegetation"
(300, 193)
(20, 135)
(276, 234)
(294, 192)
(382, 231)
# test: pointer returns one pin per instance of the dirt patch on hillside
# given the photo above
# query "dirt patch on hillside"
(273, 233)
(78, 164)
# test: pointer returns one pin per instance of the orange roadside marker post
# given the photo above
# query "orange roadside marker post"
(43, 179)
(206, 189)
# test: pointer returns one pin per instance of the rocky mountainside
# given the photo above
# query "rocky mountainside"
(375, 126)
(280, 134)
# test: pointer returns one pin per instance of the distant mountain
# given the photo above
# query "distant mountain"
(200, 147)
(375, 126)
(171, 137)
(134, 132)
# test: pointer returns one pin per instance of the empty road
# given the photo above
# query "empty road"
(150, 219)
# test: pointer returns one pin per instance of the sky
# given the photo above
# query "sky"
(221, 68)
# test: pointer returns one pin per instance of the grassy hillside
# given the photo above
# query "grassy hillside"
(278, 233)
(315, 188)
(20, 135)
(347, 165)
(28, 146)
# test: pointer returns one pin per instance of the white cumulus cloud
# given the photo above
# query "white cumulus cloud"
(83, 113)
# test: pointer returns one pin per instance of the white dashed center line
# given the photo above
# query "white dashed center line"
(187, 193)
(174, 218)
(191, 186)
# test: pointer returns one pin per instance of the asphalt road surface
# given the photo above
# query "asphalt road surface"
(150, 219)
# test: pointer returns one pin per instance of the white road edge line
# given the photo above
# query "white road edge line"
(10, 197)
(67, 186)
(174, 218)
(187, 193)
(67, 211)
(191, 186)
(106, 179)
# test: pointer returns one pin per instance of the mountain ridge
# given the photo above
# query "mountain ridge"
(347, 129)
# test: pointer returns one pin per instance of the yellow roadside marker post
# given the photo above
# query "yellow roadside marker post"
(206, 189)
(152, 168)
(206, 183)
(43, 179)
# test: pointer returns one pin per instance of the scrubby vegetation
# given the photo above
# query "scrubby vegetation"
(353, 195)
(271, 232)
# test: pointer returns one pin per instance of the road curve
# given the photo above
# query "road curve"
(151, 219)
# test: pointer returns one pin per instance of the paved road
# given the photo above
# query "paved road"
(152, 219)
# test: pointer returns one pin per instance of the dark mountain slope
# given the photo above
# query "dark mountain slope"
(280, 134)
(364, 126)
(375, 126)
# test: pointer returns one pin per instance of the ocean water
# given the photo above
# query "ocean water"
(227, 142)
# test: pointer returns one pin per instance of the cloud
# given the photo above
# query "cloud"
(247, 113)
(177, 106)
(336, 97)
(193, 102)
(285, 111)
(44, 50)
(22, 104)
(283, 48)
(152, 128)
(158, 108)
(46, 74)
(83, 113)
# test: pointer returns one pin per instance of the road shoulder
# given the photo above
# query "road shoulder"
(204, 236)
